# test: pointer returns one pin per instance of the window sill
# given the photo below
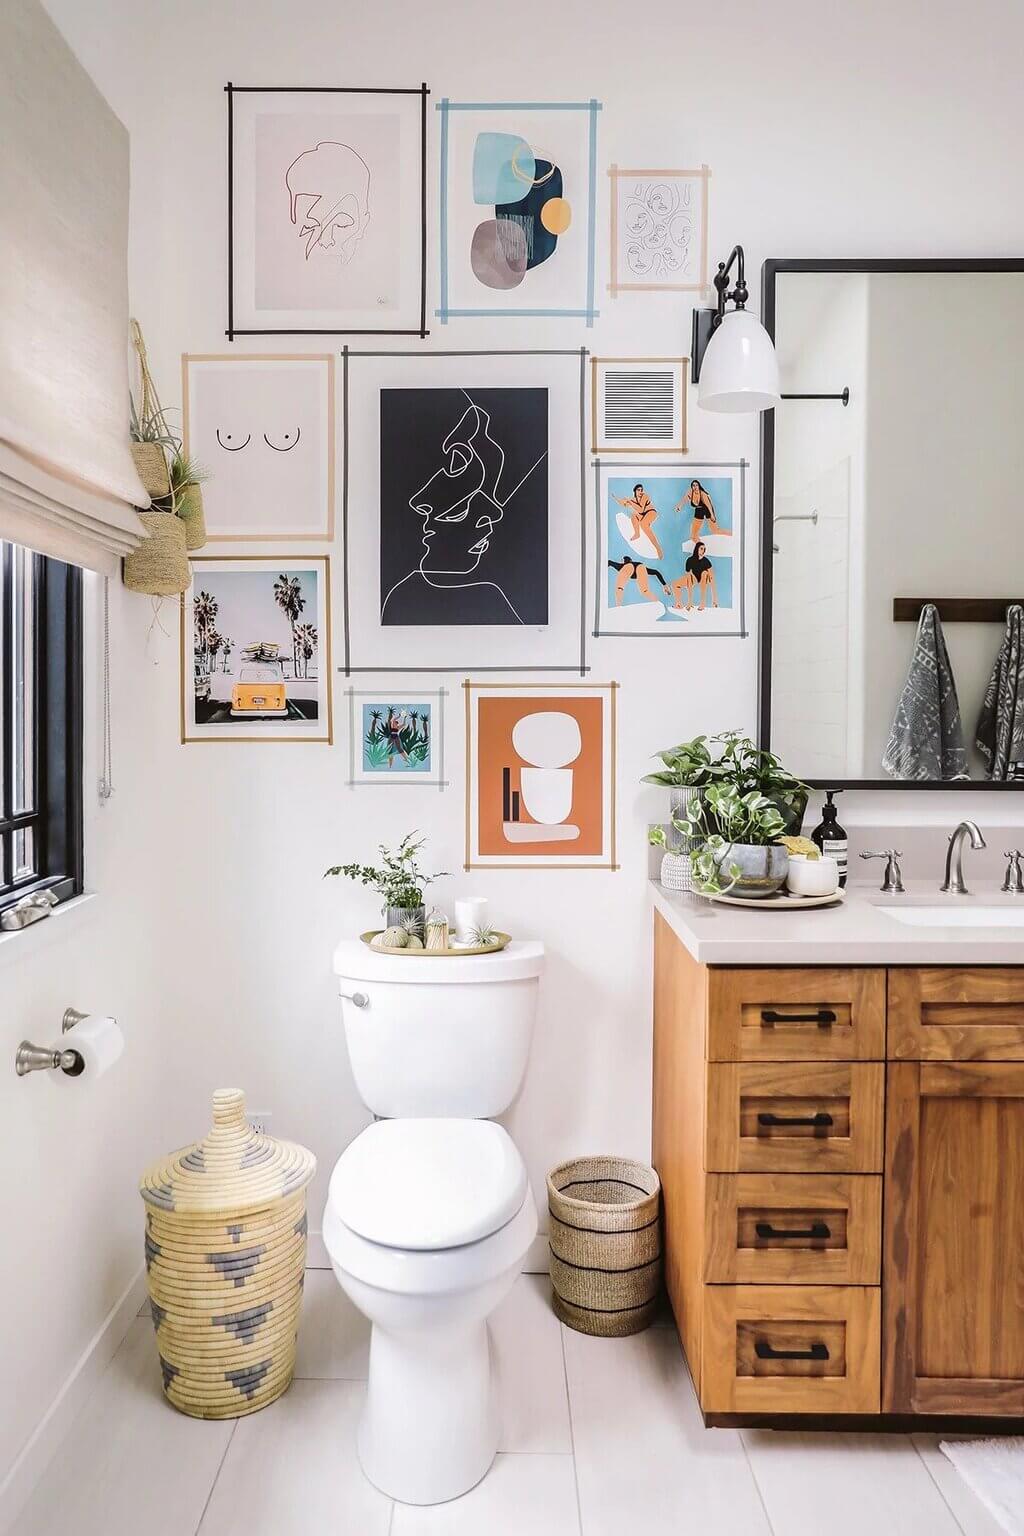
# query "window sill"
(63, 922)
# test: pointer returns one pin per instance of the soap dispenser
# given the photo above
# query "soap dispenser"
(830, 836)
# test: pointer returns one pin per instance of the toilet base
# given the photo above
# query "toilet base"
(429, 1428)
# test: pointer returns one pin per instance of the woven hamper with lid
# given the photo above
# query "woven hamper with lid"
(225, 1260)
(605, 1244)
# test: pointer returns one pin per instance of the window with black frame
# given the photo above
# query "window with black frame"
(40, 726)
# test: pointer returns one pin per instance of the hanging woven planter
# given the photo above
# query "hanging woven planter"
(151, 466)
(160, 564)
(225, 1260)
(190, 511)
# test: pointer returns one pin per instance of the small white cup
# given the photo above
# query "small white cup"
(470, 915)
(812, 877)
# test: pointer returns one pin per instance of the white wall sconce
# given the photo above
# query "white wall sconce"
(732, 356)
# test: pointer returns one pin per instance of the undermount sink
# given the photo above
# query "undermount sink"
(958, 916)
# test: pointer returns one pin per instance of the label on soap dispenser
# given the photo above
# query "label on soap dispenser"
(836, 848)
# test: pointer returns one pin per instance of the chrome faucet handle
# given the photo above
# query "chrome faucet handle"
(1014, 877)
(892, 880)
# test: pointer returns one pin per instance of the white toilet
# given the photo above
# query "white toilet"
(430, 1214)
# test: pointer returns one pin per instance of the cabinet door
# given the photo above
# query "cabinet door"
(953, 1265)
(948, 1013)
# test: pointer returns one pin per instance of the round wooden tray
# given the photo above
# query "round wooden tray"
(782, 901)
(504, 939)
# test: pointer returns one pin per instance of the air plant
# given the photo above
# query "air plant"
(483, 936)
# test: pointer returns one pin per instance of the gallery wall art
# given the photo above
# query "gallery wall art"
(262, 428)
(327, 211)
(540, 775)
(256, 650)
(463, 509)
(638, 404)
(396, 738)
(517, 212)
(659, 231)
(669, 549)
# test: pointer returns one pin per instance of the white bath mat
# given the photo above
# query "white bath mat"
(994, 1471)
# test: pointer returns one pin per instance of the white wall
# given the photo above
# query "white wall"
(829, 129)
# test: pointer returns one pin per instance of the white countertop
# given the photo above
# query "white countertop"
(855, 932)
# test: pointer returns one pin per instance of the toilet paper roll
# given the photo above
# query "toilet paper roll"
(98, 1040)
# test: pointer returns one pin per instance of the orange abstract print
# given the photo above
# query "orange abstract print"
(540, 776)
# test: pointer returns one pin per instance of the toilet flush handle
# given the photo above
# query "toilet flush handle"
(358, 999)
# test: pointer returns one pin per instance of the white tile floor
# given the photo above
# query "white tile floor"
(601, 1438)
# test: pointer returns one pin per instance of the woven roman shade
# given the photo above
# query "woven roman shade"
(67, 482)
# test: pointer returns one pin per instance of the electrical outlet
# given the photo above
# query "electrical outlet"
(260, 1121)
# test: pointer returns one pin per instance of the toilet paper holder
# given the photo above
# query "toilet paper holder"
(41, 1058)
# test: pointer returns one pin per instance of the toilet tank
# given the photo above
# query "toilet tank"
(438, 1035)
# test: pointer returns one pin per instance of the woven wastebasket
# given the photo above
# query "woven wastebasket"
(605, 1244)
(225, 1259)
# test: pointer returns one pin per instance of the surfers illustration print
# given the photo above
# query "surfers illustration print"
(669, 554)
(464, 507)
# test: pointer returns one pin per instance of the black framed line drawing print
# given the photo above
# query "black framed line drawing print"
(463, 509)
(327, 210)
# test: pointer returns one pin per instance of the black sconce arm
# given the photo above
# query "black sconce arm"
(740, 293)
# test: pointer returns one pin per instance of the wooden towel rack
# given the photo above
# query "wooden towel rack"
(955, 610)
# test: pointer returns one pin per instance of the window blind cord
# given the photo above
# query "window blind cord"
(106, 784)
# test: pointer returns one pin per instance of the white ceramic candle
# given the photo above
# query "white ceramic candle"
(470, 914)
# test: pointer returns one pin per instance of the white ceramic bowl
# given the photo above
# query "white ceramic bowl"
(812, 877)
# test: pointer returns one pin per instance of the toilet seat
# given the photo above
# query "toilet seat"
(428, 1183)
(427, 1206)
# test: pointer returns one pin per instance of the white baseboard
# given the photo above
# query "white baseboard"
(535, 1263)
(34, 1456)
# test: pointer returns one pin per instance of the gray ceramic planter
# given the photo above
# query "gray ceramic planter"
(762, 869)
(398, 917)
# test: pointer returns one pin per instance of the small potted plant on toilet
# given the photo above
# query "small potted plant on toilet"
(400, 881)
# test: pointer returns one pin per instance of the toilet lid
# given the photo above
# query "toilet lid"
(428, 1184)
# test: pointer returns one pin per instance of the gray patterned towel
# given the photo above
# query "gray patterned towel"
(999, 735)
(926, 740)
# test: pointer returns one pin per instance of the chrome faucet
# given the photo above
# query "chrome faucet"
(954, 881)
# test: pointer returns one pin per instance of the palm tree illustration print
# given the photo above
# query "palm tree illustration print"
(288, 597)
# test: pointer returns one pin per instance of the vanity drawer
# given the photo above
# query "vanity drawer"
(971, 1013)
(793, 1014)
(791, 1349)
(793, 1228)
(794, 1117)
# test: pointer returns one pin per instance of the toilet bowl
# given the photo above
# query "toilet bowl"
(427, 1225)
(430, 1215)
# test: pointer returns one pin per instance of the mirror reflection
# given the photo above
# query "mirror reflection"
(897, 648)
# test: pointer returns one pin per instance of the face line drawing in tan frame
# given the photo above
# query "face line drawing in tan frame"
(617, 174)
(612, 689)
(684, 383)
(222, 741)
(326, 537)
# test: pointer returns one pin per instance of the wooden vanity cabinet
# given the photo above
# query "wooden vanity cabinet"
(792, 1106)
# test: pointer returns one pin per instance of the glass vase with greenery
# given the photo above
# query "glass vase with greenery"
(398, 879)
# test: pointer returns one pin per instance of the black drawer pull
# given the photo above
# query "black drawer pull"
(765, 1351)
(824, 1018)
(820, 1121)
(817, 1229)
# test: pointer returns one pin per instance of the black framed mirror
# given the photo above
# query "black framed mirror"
(891, 479)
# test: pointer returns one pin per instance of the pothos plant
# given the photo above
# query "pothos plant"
(738, 763)
(398, 878)
(719, 819)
